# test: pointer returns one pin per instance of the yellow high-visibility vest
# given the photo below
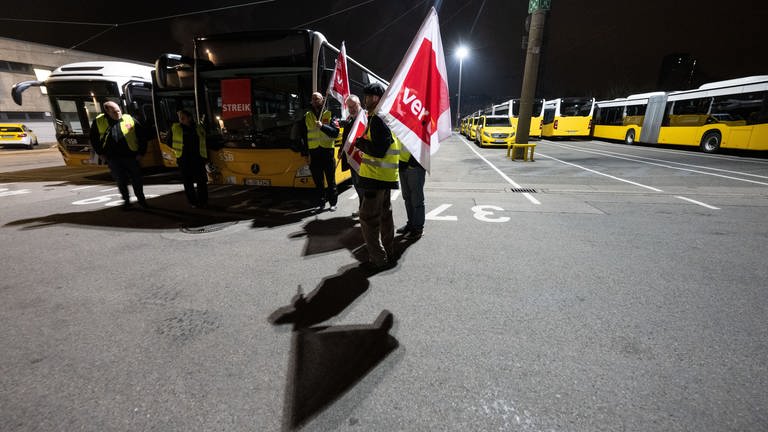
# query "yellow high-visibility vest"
(384, 168)
(315, 137)
(127, 126)
(178, 140)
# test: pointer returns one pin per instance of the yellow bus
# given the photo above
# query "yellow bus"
(77, 92)
(512, 109)
(252, 90)
(621, 119)
(568, 117)
(726, 114)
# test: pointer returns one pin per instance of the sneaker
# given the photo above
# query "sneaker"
(356, 214)
(332, 208)
(403, 229)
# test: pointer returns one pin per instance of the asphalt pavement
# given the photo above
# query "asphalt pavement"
(602, 287)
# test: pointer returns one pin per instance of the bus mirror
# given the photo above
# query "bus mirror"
(168, 68)
(19, 88)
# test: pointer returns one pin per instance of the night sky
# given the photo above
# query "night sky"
(597, 48)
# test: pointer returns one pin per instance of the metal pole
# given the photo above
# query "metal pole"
(458, 102)
(528, 93)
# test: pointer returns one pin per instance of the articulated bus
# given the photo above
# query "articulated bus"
(512, 109)
(621, 119)
(77, 92)
(726, 114)
(568, 117)
(251, 91)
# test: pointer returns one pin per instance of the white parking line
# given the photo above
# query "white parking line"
(394, 194)
(602, 174)
(698, 202)
(241, 192)
(504, 176)
(687, 153)
(108, 190)
(635, 159)
(82, 188)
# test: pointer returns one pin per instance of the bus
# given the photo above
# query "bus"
(77, 92)
(621, 119)
(568, 117)
(725, 114)
(251, 91)
(512, 109)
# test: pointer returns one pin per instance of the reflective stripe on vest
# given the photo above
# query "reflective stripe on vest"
(127, 126)
(315, 137)
(382, 169)
(178, 140)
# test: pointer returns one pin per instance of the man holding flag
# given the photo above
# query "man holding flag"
(378, 176)
(350, 156)
(320, 134)
(417, 110)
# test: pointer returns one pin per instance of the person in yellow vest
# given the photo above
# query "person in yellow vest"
(377, 178)
(120, 139)
(321, 131)
(188, 142)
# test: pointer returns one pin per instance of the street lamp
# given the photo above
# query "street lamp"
(461, 53)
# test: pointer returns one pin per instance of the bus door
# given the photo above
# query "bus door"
(138, 102)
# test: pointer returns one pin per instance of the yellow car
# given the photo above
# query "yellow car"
(495, 130)
(17, 134)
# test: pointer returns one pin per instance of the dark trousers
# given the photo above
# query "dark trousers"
(124, 169)
(377, 225)
(193, 173)
(323, 164)
(412, 183)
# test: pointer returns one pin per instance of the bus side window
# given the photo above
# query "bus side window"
(667, 114)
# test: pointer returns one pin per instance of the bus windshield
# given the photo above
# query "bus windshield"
(278, 49)
(76, 104)
(260, 111)
(576, 107)
(535, 112)
(497, 121)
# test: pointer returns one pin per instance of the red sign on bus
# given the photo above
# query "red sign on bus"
(235, 98)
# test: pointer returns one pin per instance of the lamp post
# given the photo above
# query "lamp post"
(461, 53)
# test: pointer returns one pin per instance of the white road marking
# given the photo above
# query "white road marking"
(433, 215)
(108, 190)
(241, 192)
(82, 188)
(603, 174)
(5, 192)
(353, 196)
(602, 153)
(698, 202)
(394, 194)
(504, 176)
(687, 153)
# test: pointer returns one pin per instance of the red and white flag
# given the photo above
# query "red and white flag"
(338, 88)
(416, 106)
(351, 152)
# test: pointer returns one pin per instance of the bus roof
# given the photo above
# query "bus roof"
(93, 69)
(735, 82)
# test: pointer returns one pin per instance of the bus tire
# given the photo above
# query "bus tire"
(630, 138)
(710, 142)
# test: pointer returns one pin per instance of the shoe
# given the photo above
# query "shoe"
(332, 208)
(414, 235)
(126, 205)
(144, 204)
(403, 229)
(371, 266)
(356, 214)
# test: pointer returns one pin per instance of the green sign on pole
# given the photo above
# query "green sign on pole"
(534, 5)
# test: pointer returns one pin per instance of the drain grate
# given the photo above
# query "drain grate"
(522, 190)
(207, 228)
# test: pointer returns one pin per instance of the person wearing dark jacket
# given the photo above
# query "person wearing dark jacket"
(378, 176)
(188, 142)
(120, 139)
(320, 131)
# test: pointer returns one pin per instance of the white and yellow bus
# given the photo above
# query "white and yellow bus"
(621, 119)
(568, 117)
(252, 90)
(77, 92)
(512, 109)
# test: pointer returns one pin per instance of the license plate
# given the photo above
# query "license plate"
(7, 136)
(258, 182)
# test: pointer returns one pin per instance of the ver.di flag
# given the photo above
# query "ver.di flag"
(338, 88)
(353, 154)
(416, 106)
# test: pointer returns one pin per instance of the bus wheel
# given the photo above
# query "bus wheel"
(630, 138)
(710, 142)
